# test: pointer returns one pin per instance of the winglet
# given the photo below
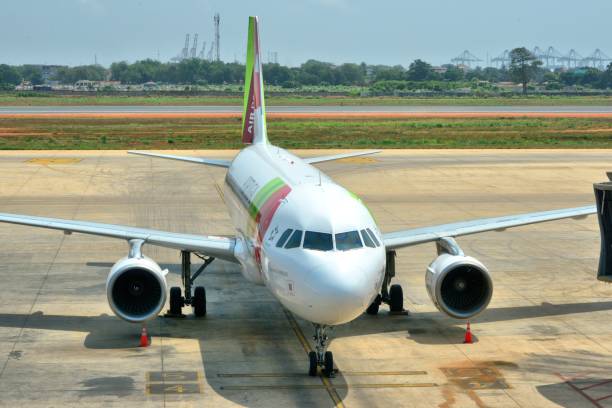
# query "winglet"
(254, 112)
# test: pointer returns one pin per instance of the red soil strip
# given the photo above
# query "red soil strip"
(326, 115)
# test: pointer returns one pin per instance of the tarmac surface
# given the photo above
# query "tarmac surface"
(153, 110)
(545, 340)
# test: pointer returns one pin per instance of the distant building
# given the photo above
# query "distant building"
(86, 85)
(440, 70)
(150, 86)
(24, 86)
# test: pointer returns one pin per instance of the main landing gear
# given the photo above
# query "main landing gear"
(197, 300)
(321, 357)
(392, 295)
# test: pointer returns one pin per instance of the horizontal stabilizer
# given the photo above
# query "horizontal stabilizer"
(320, 159)
(199, 160)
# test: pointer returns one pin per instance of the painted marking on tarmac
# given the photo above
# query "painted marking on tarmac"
(302, 339)
(220, 191)
(48, 161)
(300, 375)
(581, 383)
(173, 382)
(323, 386)
(172, 376)
(181, 388)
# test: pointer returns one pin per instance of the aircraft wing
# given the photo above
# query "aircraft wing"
(199, 160)
(218, 247)
(312, 160)
(417, 236)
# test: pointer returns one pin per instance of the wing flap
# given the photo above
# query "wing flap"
(199, 160)
(218, 247)
(417, 236)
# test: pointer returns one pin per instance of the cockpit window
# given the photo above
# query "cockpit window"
(348, 240)
(367, 240)
(295, 240)
(319, 241)
(373, 237)
(283, 238)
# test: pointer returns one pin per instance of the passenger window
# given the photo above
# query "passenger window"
(373, 237)
(367, 240)
(295, 240)
(348, 240)
(319, 241)
(283, 238)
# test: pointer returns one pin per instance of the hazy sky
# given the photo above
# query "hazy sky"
(386, 32)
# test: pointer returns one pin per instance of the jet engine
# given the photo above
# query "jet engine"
(458, 285)
(136, 289)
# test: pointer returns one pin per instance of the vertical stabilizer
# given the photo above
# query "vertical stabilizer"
(254, 112)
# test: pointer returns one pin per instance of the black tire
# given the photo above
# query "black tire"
(312, 360)
(176, 301)
(373, 308)
(396, 298)
(328, 369)
(199, 301)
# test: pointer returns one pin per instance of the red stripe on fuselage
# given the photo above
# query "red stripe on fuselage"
(267, 211)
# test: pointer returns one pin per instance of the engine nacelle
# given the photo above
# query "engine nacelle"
(459, 286)
(136, 289)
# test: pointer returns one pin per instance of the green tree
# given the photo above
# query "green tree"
(386, 73)
(453, 73)
(606, 78)
(31, 73)
(352, 74)
(420, 71)
(316, 72)
(275, 74)
(523, 66)
(70, 75)
(9, 75)
(119, 71)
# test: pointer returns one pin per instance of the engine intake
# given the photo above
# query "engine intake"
(136, 289)
(458, 285)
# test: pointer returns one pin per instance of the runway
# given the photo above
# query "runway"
(300, 111)
(544, 341)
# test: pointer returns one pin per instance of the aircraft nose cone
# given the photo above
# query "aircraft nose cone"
(341, 292)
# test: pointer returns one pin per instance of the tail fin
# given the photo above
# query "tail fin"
(254, 113)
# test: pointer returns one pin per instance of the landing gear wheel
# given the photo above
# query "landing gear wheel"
(328, 369)
(373, 308)
(199, 301)
(312, 368)
(396, 298)
(176, 301)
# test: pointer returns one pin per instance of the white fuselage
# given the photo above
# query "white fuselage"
(331, 264)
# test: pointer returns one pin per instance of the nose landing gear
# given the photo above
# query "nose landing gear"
(321, 357)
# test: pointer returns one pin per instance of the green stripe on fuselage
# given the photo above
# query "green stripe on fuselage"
(356, 197)
(263, 195)
(249, 67)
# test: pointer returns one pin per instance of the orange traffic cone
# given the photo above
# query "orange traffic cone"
(468, 335)
(144, 338)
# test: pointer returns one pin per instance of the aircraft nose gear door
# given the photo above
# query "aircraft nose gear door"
(603, 198)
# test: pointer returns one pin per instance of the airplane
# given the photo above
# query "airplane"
(311, 242)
